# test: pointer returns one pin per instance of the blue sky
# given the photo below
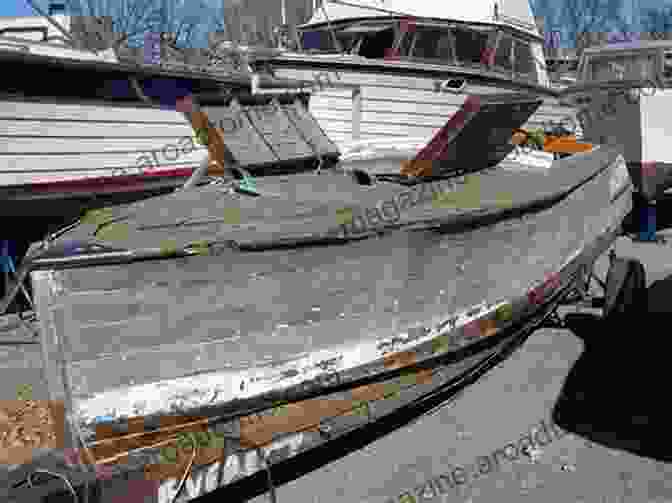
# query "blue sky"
(17, 7)
(21, 7)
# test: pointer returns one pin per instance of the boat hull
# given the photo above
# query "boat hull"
(310, 322)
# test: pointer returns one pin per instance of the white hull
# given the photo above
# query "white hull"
(394, 107)
(43, 142)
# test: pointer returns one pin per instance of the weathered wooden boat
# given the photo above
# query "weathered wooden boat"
(231, 336)
(622, 93)
(396, 70)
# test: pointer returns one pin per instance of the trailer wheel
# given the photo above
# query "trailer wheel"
(625, 290)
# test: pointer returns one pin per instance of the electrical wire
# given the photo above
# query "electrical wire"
(65, 480)
(187, 470)
(267, 468)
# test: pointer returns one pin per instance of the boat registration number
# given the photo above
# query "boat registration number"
(204, 479)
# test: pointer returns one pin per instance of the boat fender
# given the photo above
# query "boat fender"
(626, 289)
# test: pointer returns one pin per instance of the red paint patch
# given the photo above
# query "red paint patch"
(472, 104)
(104, 472)
(552, 281)
(139, 491)
(185, 104)
(109, 183)
(472, 329)
(488, 56)
(407, 25)
(535, 296)
(648, 169)
(391, 54)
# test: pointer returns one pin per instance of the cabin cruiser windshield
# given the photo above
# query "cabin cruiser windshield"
(457, 45)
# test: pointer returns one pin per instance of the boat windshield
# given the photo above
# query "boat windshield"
(450, 45)
(640, 66)
(457, 45)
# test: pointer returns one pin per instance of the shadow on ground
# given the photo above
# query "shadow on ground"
(617, 393)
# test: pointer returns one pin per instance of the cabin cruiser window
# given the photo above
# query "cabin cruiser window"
(524, 64)
(470, 45)
(504, 55)
(433, 43)
(375, 42)
(322, 41)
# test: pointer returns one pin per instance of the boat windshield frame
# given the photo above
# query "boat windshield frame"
(405, 39)
(495, 35)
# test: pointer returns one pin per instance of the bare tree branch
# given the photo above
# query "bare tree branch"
(657, 23)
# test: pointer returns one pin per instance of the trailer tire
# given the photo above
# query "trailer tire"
(626, 294)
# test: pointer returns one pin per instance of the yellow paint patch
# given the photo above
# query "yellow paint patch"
(360, 408)
(504, 200)
(440, 344)
(201, 136)
(116, 231)
(280, 408)
(24, 392)
(344, 216)
(97, 217)
(467, 198)
(504, 313)
(200, 247)
(169, 247)
(232, 216)
(392, 390)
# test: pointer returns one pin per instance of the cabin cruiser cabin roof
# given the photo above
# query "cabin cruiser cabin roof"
(514, 13)
(628, 46)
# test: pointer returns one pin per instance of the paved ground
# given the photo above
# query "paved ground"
(599, 387)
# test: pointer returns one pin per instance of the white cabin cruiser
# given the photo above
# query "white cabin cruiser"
(398, 70)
